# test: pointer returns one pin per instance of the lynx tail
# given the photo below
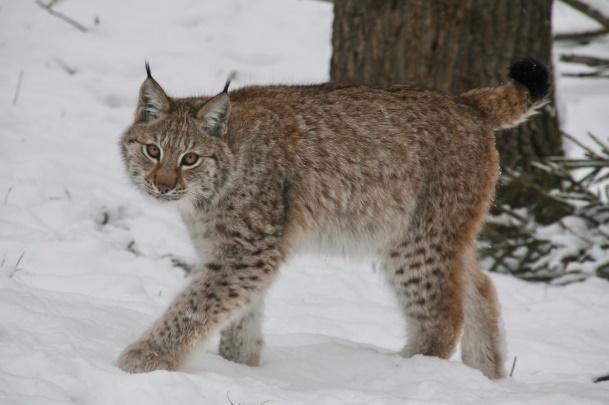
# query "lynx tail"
(508, 105)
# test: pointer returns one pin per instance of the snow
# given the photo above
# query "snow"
(85, 261)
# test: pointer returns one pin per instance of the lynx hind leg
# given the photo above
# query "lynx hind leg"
(241, 341)
(428, 283)
(483, 344)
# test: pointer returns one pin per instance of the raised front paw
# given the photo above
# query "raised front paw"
(143, 356)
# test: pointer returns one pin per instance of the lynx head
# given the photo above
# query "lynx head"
(176, 148)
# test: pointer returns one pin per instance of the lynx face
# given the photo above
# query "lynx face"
(175, 148)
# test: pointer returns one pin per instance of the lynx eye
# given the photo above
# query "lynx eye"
(189, 159)
(153, 151)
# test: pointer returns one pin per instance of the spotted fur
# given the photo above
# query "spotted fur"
(402, 173)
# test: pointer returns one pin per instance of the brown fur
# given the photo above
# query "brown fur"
(403, 173)
(504, 106)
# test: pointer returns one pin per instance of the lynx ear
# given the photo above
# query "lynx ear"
(153, 102)
(214, 115)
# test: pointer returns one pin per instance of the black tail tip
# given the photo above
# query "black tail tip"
(533, 75)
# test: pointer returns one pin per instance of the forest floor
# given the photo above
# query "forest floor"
(85, 260)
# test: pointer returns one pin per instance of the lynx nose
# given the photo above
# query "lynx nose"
(164, 188)
(165, 182)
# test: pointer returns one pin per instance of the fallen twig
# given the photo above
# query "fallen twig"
(601, 378)
(16, 268)
(74, 23)
(18, 89)
(105, 219)
(8, 192)
(180, 263)
(67, 68)
(132, 247)
(513, 366)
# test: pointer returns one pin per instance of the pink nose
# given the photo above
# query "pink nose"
(165, 182)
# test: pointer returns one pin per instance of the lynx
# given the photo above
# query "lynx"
(403, 173)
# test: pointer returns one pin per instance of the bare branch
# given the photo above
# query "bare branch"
(589, 75)
(584, 36)
(601, 65)
(61, 16)
(589, 11)
(592, 61)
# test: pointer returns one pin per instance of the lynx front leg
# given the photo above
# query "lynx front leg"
(214, 298)
(241, 341)
(246, 258)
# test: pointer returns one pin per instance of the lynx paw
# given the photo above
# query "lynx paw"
(143, 356)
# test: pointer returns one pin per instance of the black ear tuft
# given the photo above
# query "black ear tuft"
(533, 75)
(225, 89)
(230, 78)
(153, 102)
(148, 70)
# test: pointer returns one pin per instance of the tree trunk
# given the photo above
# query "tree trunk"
(451, 46)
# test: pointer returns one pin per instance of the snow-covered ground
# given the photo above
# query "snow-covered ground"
(83, 257)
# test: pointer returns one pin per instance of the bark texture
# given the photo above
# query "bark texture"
(451, 46)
